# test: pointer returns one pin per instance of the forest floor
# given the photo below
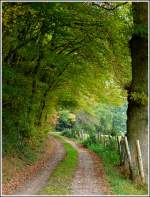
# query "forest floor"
(89, 174)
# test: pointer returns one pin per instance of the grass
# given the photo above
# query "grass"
(119, 184)
(60, 181)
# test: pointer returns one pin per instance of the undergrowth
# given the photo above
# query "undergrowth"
(28, 155)
(119, 184)
(68, 133)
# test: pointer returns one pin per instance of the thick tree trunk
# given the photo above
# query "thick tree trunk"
(137, 124)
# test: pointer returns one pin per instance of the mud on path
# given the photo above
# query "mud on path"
(89, 178)
(38, 181)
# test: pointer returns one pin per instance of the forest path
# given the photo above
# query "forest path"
(37, 182)
(89, 178)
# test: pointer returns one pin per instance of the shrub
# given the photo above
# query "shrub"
(69, 133)
(89, 141)
(66, 120)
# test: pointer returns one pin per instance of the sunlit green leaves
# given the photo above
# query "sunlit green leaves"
(62, 55)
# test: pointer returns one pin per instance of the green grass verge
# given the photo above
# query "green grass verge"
(119, 184)
(60, 181)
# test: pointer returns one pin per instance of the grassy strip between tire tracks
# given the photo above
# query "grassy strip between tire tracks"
(60, 181)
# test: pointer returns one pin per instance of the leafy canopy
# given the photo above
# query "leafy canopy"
(69, 55)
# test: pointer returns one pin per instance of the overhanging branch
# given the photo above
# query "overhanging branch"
(105, 5)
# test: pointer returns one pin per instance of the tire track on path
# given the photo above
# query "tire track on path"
(89, 178)
(37, 182)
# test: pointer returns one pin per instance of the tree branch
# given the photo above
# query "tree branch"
(101, 5)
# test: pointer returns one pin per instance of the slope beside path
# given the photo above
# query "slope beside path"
(88, 179)
(39, 180)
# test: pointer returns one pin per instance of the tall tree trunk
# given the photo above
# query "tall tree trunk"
(137, 124)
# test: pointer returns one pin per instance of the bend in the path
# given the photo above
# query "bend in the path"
(36, 183)
(88, 180)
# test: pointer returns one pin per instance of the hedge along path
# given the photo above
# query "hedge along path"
(89, 178)
(40, 179)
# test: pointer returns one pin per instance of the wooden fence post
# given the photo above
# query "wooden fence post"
(100, 138)
(119, 148)
(82, 137)
(81, 134)
(129, 157)
(104, 140)
(122, 148)
(140, 162)
(110, 140)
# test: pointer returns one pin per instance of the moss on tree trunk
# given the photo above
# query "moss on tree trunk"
(137, 124)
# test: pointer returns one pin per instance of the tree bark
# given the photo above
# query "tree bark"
(137, 123)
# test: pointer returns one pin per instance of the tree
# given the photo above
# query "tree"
(137, 122)
(58, 54)
(66, 120)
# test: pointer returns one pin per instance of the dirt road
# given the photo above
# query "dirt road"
(36, 183)
(89, 178)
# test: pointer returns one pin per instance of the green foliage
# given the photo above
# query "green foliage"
(112, 119)
(59, 55)
(103, 119)
(89, 141)
(86, 121)
(141, 30)
(119, 184)
(65, 120)
(109, 155)
(139, 98)
(69, 133)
